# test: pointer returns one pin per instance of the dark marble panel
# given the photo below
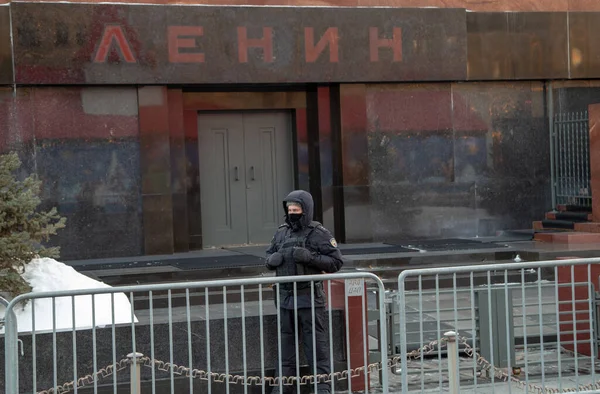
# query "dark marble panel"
(314, 148)
(178, 171)
(17, 126)
(155, 164)
(468, 172)
(411, 148)
(301, 148)
(144, 44)
(154, 139)
(158, 224)
(243, 100)
(6, 121)
(520, 45)
(326, 155)
(6, 67)
(584, 44)
(539, 42)
(355, 162)
(353, 118)
(87, 155)
(190, 124)
(488, 46)
(339, 228)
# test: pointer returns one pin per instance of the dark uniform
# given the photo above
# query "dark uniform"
(303, 247)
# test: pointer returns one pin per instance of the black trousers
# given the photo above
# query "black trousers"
(305, 336)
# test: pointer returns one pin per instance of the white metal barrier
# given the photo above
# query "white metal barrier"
(194, 336)
(499, 328)
(526, 327)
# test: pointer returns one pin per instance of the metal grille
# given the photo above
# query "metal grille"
(203, 337)
(571, 159)
(518, 327)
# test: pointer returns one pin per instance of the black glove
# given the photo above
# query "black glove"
(302, 256)
(275, 260)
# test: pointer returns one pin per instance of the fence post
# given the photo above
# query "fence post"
(135, 372)
(11, 349)
(453, 377)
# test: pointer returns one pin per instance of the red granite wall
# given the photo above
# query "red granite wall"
(474, 5)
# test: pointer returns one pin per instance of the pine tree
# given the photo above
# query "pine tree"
(22, 227)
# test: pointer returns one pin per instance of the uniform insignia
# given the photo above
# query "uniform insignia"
(333, 242)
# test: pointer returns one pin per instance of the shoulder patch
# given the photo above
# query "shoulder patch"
(333, 242)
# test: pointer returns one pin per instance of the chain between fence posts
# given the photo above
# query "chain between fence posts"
(11, 350)
(135, 360)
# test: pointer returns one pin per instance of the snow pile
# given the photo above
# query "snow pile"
(50, 275)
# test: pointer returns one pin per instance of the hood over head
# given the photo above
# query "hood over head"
(305, 200)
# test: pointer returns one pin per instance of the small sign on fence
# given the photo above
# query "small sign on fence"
(355, 287)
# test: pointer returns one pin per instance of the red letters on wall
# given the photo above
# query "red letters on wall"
(395, 43)
(184, 37)
(114, 33)
(313, 51)
(177, 40)
(265, 43)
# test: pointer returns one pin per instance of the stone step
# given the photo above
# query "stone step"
(568, 237)
(588, 227)
(569, 216)
(553, 225)
(572, 208)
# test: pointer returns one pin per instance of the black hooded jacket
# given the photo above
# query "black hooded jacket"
(326, 256)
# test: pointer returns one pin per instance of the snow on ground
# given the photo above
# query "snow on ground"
(50, 275)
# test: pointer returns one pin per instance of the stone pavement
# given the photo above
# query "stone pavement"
(426, 377)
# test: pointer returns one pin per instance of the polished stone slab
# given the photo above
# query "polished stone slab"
(148, 44)
(6, 66)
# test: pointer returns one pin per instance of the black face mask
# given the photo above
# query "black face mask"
(294, 217)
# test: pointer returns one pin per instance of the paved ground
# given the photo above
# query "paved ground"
(436, 382)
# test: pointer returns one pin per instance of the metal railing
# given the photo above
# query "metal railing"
(193, 336)
(549, 305)
(570, 159)
(12, 343)
(493, 328)
(422, 323)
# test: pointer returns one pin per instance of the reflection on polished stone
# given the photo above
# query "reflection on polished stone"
(584, 44)
(87, 155)
(6, 66)
(518, 45)
(459, 165)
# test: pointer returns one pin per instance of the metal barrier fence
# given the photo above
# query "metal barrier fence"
(500, 328)
(570, 159)
(528, 327)
(210, 336)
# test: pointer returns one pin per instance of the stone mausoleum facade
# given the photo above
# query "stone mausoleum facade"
(165, 128)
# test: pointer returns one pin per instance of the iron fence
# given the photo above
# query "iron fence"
(528, 327)
(520, 326)
(211, 336)
(570, 154)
